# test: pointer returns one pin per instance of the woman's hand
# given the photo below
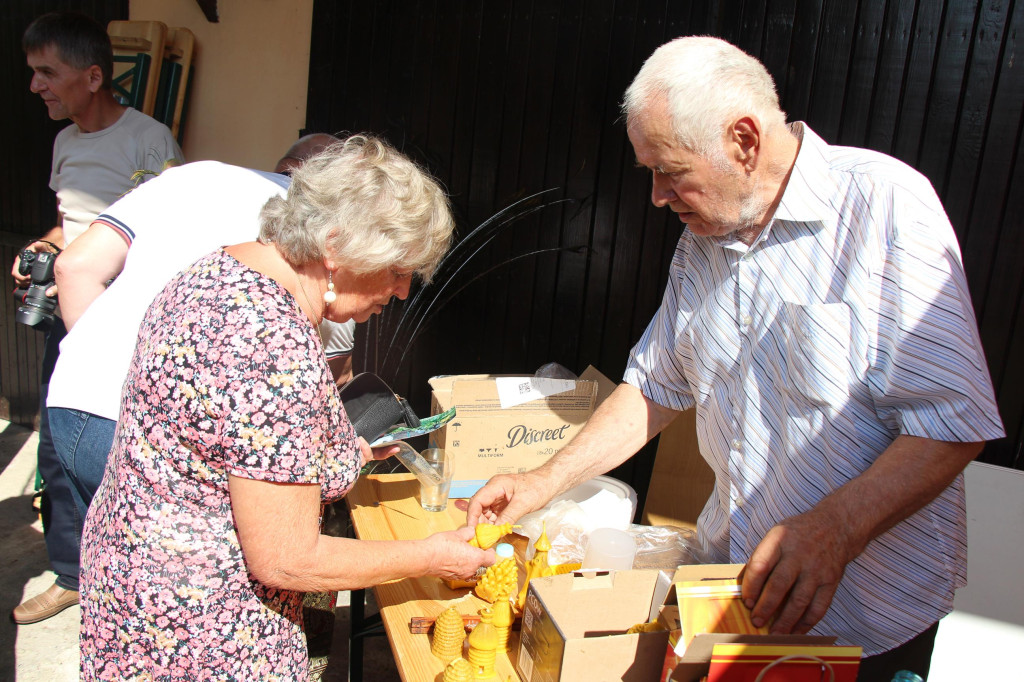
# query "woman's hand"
(454, 558)
(370, 454)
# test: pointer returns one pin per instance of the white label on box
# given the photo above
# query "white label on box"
(514, 391)
(525, 664)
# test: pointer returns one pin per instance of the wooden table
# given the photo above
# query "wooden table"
(385, 507)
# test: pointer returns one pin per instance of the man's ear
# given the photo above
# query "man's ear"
(94, 76)
(745, 141)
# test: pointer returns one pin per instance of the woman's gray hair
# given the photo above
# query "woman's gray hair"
(363, 204)
(707, 84)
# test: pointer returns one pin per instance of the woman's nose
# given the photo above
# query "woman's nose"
(403, 286)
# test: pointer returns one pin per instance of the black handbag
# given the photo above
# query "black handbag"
(373, 407)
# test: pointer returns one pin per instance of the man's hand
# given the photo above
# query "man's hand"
(24, 280)
(55, 236)
(506, 498)
(795, 570)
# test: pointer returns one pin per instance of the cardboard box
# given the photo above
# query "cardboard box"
(494, 433)
(574, 625)
(688, 655)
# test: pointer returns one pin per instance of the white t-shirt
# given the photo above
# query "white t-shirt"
(93, 170)
(338, 339)
(169, 222)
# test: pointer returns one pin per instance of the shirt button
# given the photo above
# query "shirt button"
(737, 446)
(746, 320)
(739, 502)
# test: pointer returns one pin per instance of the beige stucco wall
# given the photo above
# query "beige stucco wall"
(248, 98)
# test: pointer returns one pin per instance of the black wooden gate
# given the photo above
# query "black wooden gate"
(505, 99)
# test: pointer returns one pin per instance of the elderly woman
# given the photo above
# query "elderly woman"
(205, 531)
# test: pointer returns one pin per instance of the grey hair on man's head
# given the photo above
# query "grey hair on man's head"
(363, 204)
(707, 84)
(80, 40)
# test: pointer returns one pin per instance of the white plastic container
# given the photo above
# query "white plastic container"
(587, 489)
(601, 502)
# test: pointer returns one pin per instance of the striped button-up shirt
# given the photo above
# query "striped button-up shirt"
(846, 324)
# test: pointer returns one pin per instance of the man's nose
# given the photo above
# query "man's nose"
(661, 191)
(36, 84)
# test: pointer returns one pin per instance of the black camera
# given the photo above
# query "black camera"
(35, 308)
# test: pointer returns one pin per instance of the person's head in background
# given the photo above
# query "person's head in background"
(72, 62)
(305, 147)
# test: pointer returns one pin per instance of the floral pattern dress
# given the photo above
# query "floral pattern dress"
(228, 377)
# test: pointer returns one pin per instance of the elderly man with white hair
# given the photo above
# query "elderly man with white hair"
(817, 317)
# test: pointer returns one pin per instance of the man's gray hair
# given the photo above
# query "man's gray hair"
(707, 84)
(361, 203)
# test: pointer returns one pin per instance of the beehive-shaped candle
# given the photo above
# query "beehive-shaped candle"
(653, 626)
(487, 534)
(459, 670)
(501, 577)
(537, 567)
(449, 634)
(502, 619)
(483, 646)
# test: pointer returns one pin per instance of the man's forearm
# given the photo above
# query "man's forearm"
(794, 571)
(620, 426)
(908, 475)
(75, 299)
(84, 268)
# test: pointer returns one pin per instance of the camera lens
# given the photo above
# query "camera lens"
(36, 308)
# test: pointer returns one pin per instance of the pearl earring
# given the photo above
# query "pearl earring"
(329, 295)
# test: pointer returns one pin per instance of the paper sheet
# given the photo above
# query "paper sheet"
(514, 391)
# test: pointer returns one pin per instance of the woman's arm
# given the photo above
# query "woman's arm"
(278, 528)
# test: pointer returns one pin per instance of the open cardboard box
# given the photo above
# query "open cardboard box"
(684, 662)
(487, 438)
(573, 627)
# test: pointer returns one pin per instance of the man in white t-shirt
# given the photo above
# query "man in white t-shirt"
(94, 160)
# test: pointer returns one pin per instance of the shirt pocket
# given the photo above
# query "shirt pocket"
(817, 352)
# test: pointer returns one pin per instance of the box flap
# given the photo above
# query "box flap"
(589, 604)
(701, 647)
(707, 572)
(605, 386)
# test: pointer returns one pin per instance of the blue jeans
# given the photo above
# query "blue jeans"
(83, 442)
(61, 526)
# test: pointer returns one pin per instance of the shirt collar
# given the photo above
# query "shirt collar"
(807, 197)
(808, 194)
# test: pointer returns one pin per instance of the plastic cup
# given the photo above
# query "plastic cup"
(434, 497)
(610, 549)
